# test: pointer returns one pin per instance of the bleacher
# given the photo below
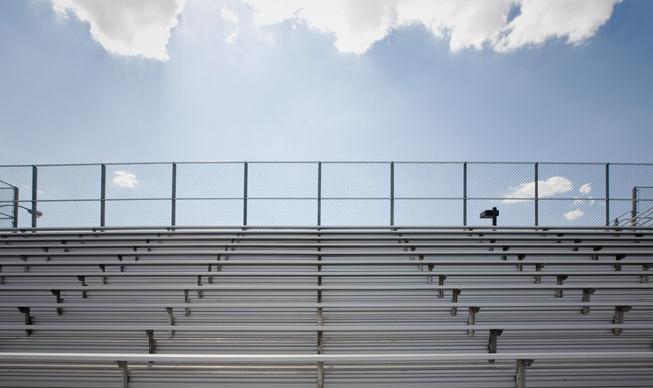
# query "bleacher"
(326, 307)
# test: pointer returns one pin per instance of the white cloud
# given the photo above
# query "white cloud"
(231, 17)
(143, 27)
(545, 188)
(127, 27)
(467, 23)
(585, 189)
(574, 214)
(540, 20)
(123, 178)
(357, 25)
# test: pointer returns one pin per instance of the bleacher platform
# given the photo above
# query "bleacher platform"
(459, 307)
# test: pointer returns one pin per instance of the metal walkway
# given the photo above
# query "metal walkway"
(327, 307)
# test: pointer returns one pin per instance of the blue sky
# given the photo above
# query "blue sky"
(284, 91)
(216, 80)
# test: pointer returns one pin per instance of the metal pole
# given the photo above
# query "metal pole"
(607, 194)
(392, 193)
(103, 192)
(319, 193)
(34, 194)
(245, 194)
(15, 221)
(465, 194)
(537, 194)
(124, 374)
(520, 373)
(173, 196)
(633, 210)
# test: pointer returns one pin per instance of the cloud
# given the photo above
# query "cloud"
(127, 27)
(231, 17)
(585, 189)
(575, 20)
(574, 214)
(357, 25)
(545, 188)
(143, 27)
(123, 178)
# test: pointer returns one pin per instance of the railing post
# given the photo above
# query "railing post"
(245, 194)
(607, 194)
(319, 193)
(15, 220)
(103, 193)
(392, 193)
(173, 196)
(124, 374)
(633, 209)
(34, 194)
(520, 372)
(465, 194)
(537, 194)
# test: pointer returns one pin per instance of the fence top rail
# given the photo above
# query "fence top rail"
(323, 162)
(191, 358)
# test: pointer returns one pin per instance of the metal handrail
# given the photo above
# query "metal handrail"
(648, 260)
(325, 305)
(311, 287)
(311, 328)
(220, 274)
(431, 253)
(312, 358)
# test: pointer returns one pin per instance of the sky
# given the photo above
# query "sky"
(87, 81)
(305, 80)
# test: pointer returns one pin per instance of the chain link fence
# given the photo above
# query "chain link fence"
(8, 205)
(325, 193)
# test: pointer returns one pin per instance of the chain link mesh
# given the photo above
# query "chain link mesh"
(630, 189)
(428, 193)
(21, 178)
(327, 193)
(209, 193)
(572, 194)
(8, 205)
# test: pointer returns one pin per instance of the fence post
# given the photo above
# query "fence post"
(34, 194)
(607, 194)
(537, 194)
(319, 193)
(633, 209)
(15, 220)
(103, 193)
(392, 193)
(245, 194)
(465, 194)
(173, 196)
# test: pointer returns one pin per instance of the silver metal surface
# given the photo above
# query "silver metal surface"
(326, 307)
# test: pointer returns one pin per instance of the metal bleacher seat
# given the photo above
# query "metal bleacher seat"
(326, 307)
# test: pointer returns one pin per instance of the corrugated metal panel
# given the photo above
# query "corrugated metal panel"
(392, 296)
